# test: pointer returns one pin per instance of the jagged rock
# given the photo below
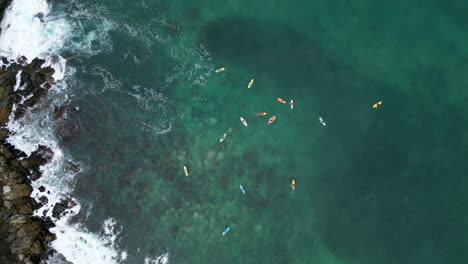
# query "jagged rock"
(35, 205)
(20, 111)
(38, 94)
(36, 63)
(39, 157)
(60, 208)
(23, 237)
(46, 72)
(22, 60)
(35, 175)
(44, 200)
(5, 60)
(24, 77)
(59, 111)
(70, 166)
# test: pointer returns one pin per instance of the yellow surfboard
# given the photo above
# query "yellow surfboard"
(220, 70)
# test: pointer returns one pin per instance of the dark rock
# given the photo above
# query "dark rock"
(36, 63)
(46, 72)
(51, 80)
(21, 110)
(42, 189)
(70, 166)
(22, 60)
(4, 60)
(26, 88)
(44, 200)
(35, 175)
(59, 111)
(60, 208)
(24, 77)
(8, 77)
(39, 157)
(38, 94)
(35, 205)
(39, 79)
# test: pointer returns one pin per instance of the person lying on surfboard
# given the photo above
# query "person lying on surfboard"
(242, 189)
(222, 137)
(271, 120)
(261, 113)
(220, 70)
(322, 121)
(243, 121)
(281, 100)
(250, 83)
(377, 104)
(293, 185)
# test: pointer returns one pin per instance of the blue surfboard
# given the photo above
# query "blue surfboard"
(226, 230)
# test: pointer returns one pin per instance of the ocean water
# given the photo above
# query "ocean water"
(383, 185)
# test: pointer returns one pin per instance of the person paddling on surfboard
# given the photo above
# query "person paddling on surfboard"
(226, 230)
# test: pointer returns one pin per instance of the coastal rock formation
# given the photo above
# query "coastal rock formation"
(3, 5)
(24, 238)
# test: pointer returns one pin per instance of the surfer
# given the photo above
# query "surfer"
(220, 70)
(261, 113)
(186, 171)
(226, 230)
(243, 121)
(222, 137)
(271, 120)
(242, 189)
(293, 185)
(377, 104)
(281, 100)
(322, 121)
(291, 104)
(250, 83)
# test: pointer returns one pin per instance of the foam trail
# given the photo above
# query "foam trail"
(162, 259)
(29, 22)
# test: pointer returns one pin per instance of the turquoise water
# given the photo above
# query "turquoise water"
(379, 185)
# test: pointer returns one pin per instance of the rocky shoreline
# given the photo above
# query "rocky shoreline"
(24, 238)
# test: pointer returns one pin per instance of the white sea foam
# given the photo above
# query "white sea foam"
(29, 29)
(162, 259)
